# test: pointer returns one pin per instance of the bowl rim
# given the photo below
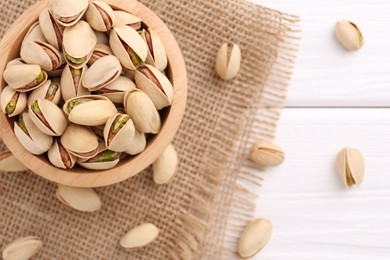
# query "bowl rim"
(87, 178)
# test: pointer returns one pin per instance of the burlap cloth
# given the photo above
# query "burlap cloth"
(202, 211)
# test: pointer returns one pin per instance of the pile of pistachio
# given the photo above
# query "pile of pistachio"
(88, 85)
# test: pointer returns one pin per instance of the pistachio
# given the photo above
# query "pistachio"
(9, 163)
(128, 46)
(138, 145)
(60, 157)
(125, 18)
(24, 77)
(80, 141)
(228, 61)
(51, 91)
(22, 248)
(42, 54)
(165, 167)
(81, 199)
(142, 111)
(349, 35)
(34, 34)
(100, 16)
(266, 153)
(71, 83)
(51, 29)
(119, 132)
(115, 91)
(69, 12)
(157, 57)
(350, 165)
(104, 159)
(101, 50)
(254, 237)
(155, 85)
(12, 102)
(139, 237)
(103, 72)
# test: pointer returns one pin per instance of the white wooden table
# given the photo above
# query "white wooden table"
(336, 99)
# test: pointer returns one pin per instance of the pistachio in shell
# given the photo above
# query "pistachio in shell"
(119, 132)
(60, 157)
(155, 84)
(48, 117)
(80, 141)
(24, 77)
(90, 110)
(128, 46)
(81, 199)
(42, 54)
(78, 44)
(17, 61)
(124, 18)
(51, 29)
(103, 72)
(104, 159)
(71, 83)
(101, 50)
(34, 33)
(12, 102)
(69, 12)
(51, 91)
(100, 16)
(115, 91)
(254, 237)
(138, 145)
(139, 237)
(165, 167)
(31, 138)
(22, 248)
(157, 56)
(142, 111)
(9, 163)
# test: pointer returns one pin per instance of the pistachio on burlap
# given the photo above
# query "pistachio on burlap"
(81, 199)
(9, 163)
(139, 237)
(22, 248)
(165, 167)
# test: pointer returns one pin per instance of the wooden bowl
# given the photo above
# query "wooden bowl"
(78, 177)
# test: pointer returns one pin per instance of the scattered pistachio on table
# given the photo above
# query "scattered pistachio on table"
(22, 248)
(349, 35)
(228, 61)
(139, 237)
(165, 167)
(254, 237)
(266, 154)
(350, 165)
(9, 163)
(81, 199)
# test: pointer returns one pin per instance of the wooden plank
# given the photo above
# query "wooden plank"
(314, 216)
(326, 74)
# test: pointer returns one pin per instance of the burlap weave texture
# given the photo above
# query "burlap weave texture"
(200, 212)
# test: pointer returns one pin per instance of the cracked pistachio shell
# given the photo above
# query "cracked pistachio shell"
(34, 34)
(115, 91)
(54, 123)
(78, 44)
(165, 167)
(350, 165)
(103, 72)
(155, 84)
(60, 157)
(254, 237)
(119, 137)
(36, 142)
(81, 199)
(51, 29)
(9, 163)
(266, 153)
(89, 110)
(22, 248)
(94, 163)
(128, 46)
(69, 12)
(22, 77)
(140, 236)
(80, 141)
(51, 91)
(138, 145)
(125, 18)
(42, 54)
(142, 111)
(228, 61)
(101, 50)
(349, 35)
(12, 103)
(71, 83)
(100, 16)
(157, 56)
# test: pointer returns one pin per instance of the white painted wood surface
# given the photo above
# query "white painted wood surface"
(314, 216)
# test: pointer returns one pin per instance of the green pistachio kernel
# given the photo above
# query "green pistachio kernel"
(107, 156)
(137, 61)
(119, 123)
(22, 125)
(76, 61)
(35, 107)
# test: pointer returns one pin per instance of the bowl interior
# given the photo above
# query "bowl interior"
(171, 117)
